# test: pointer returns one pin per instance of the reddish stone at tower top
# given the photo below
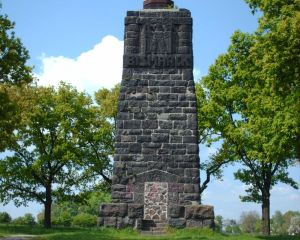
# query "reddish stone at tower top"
(158, 4)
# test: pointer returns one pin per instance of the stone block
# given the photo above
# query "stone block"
(191, 188)
(191, 197)
(135, 210)
(177, 223)
(199, 212)
(132, 124)
(209, 223)
(160, 138)
(176, 211)
(110, 222)
(100, 221)
(143, 138)
(149, 124)
(118, 188)
(135, 148)
(113, 210)
(194, 223)
(190, 139)
(122, 222)
(192, 149)
(191, 172)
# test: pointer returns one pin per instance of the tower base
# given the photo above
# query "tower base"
(121, 215)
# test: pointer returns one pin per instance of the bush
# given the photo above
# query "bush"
(84, 220)
(250, 222)
(27, 219)
(294, 228)
(5, 217)
(64, 219)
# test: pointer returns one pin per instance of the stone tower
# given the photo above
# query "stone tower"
(156, 162)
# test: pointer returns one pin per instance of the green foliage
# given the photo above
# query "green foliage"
(283, 222)
(84, 220)
(231, 227)
(13, 55)
(58, 139)
(250, 222)
(250, 101)
(27, 219)
(108, 101)
(93, 200)
(64, 219)
(5, 217)
(277, 224)
(218, 223)
(13, 71)
(63, 213)
(294, 228)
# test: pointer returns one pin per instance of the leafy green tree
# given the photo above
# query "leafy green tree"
(208, 134)
(50, 160)
(27, 219)
(287, 219)
(250, 101)
(63, 212)
(231, 226)
(276, 57)
(294, 228)
(277, 223)
(5, 217)
(249, 222)
(13, 55)
(108, 102)
(13, 71)
(219, 223)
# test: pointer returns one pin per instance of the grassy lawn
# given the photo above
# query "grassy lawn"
(106, 233)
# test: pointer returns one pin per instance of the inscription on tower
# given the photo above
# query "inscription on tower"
(153, 43)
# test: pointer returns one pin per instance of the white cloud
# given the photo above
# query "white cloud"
(93, 69)
(197, 74)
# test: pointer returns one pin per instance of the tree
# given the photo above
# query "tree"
(287, 220)
(5, 217)
(219, 223)
(13, 71)
(251, 97)
(50, 160)
(248, 221)
(277, 223)
(231, 226)
(108, 102)
(207, 135)
(64, 212)
(277, 55)
(27, 219)
(294, 228)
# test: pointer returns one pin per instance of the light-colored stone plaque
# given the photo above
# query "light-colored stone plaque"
(156, 201)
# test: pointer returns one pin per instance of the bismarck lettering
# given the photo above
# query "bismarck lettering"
(158, 61)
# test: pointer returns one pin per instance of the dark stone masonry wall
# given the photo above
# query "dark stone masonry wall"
(156, 163)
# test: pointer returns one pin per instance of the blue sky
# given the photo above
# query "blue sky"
(81, 42)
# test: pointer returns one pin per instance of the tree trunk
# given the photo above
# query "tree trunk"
(48, 204)
(266, 215)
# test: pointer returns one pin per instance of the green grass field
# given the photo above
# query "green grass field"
(106, 233)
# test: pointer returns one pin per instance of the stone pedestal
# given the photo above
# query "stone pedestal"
(156, 163)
